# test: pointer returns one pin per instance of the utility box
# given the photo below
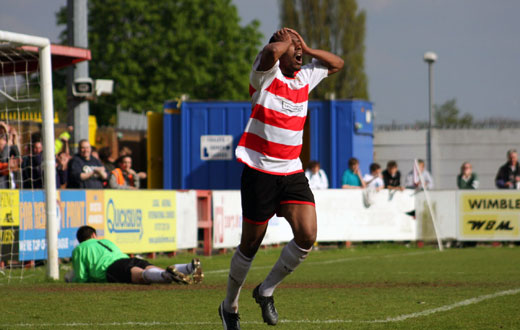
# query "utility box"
(200, 140)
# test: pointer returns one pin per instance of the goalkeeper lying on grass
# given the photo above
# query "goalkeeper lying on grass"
(100, 260)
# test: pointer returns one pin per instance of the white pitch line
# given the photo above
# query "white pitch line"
(445, 308)
(399, 318)
(332, 261)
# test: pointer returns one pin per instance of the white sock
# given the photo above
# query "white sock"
(154, 275)
(186, 269)
(292, 255)
(238, 270)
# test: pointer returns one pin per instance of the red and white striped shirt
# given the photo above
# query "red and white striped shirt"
(272, 139)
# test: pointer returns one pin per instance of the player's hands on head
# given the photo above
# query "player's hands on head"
(305, 48)
(282, 35)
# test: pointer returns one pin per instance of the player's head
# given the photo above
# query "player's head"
(85, 233)
(292, 60)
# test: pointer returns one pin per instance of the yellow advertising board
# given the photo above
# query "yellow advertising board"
(9, 208)
(95, 211)
(489, 215)
(140, 222)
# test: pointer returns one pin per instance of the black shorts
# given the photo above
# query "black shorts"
(263, 193)
(119, 270)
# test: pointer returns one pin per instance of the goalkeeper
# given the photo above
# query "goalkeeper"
(100, 260)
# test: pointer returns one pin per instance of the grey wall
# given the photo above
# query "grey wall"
(485, 149)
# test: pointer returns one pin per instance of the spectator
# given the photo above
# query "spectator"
(85, 171)
(62, 161)
(124, 177)
(32, 165)
(9, 159)
(100, 260)
(508, 176)
(126, 151)
(94, 152)
(413, 181)
(374, 180)
(105, 156)
(61, 144)
(392, 176)
(316, 176)
(467, 179)
(352, 176)
(14, 144)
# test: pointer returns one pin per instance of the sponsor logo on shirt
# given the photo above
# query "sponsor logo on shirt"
(292, 107)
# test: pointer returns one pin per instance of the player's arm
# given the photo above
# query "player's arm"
(80, 271)
(333, 62)
(274, 50)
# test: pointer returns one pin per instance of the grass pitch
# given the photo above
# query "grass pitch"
(365, 287)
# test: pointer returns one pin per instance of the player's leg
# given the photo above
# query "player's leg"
(302, 219)
(297, 207)
(193, 269)
(252, 236)
(179, 273)
(142, 272)
(260, 198)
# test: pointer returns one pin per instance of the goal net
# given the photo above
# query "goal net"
(27, 161)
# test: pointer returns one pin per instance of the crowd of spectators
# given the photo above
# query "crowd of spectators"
(88, 169)
(93, 169)
(508, 176)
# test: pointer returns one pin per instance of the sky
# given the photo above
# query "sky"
(476, 42)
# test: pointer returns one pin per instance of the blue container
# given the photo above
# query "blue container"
(184, 167)
(338, 130)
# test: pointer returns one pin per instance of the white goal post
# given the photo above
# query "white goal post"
(44, 51)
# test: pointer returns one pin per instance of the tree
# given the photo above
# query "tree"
(336, 26)
(158, 50)
(447, 114)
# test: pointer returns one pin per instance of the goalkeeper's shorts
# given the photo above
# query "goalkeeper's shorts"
(120, 270)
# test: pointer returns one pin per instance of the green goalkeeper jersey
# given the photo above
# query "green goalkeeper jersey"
(91, 259)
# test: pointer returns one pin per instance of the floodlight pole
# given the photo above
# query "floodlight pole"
(77, 26)
(430, 58)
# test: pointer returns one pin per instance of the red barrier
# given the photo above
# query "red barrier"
(205, 220)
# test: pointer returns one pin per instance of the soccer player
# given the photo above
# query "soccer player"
(273, 180)
(100, 260)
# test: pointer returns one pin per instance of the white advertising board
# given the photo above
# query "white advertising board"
(445, 211)
(227, 222)
(186, 219)
(343, 215)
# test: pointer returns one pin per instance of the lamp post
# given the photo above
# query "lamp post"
(430, 58)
